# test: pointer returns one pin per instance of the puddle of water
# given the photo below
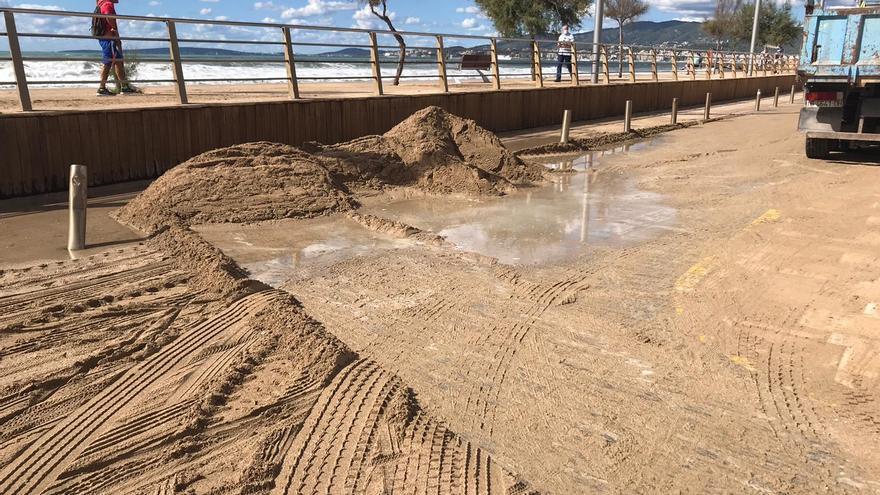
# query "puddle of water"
(273, 251)
(556, 222)
(581, 207)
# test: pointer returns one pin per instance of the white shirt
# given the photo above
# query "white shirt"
(566, 38)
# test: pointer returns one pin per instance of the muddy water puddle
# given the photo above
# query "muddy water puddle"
(272, 251)
(583, 206)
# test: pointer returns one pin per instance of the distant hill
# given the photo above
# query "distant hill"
(348, 52)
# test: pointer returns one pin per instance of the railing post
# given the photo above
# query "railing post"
(654, 65)
(709, 63)
(176, 65)
(721, 65)
(374, 59)
(24, 94)
(575, 77)
(674, 65)
(496, 72)
(292, 83)
(632, 64)
(539, 71)
(604, 51)
(441, 65)
(693, 70)
(733, 66)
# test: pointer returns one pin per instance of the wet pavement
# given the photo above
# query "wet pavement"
(580, 208)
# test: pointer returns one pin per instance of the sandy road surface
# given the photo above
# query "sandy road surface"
(736, 353)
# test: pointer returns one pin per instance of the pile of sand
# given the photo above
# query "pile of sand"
(244, 183)
(431, 150)
(435, 151)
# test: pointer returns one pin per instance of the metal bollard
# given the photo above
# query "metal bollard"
(627, 117)
(758, 102)
(791, 96)
(708, 110)
(566, 126)
(776, 98)
(674, 111)
(76, 237)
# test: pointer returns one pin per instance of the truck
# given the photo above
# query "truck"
(840, 68)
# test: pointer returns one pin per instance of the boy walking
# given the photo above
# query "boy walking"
(564, 44)
(111, 49)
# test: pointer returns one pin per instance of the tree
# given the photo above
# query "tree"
(401, 58)
(534, 17)
(721, 27)
(777, 25)
(624, 12)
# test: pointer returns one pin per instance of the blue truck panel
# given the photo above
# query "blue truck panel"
(843, 43)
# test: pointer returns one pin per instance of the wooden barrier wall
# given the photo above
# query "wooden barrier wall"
(119, 145)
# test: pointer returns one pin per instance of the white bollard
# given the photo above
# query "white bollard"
(791, 96)
(674, 111)
(627, 117)
(566, 126)
(776, 98)
(76, 238)
(758, 102)
(708, 110)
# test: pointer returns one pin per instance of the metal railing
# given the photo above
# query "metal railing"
(639, 62)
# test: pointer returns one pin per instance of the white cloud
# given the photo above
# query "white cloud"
(205, 11)
(469, 23)
(365, 19)
(318, 7)
(468, 10)
(412, 20)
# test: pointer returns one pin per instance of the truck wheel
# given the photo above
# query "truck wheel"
(817, 149)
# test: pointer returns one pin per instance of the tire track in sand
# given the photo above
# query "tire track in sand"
(34, 469)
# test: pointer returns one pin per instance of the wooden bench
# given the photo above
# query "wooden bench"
(476, 61)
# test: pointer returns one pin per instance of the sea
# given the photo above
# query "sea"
(224, 69)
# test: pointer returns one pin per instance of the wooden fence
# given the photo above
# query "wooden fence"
(120, 145)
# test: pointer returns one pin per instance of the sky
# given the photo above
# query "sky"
(446, 16)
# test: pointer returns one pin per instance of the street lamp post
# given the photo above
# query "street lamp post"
(597, 38)
(755, 28)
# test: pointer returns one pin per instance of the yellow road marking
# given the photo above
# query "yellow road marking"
(742, 362)
(696, 274)
(770, 215)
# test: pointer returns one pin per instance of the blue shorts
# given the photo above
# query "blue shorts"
(110, 51)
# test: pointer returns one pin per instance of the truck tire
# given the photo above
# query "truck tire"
(817, 149)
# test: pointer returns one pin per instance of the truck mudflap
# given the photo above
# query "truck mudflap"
(823, 119)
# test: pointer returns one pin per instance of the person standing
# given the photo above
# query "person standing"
(564, 46)
(111, 49)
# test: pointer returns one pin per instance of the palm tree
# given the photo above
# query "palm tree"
(624, 12)
(374, 5)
